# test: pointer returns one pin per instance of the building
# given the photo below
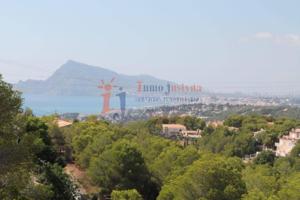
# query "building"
(287, 142)
(170, 130)
(215, 123)
(62, 123)
(191, 134)
(190, 137)
(178, 131)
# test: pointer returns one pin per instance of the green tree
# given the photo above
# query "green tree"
(25, 147)
(234, 121)
(296, 151)
(258, 195)
(172, 161)
(291, 188)
(242, 144)
(268, 138)
(60, 183)
(260, 180)
(192, 123)
(229, 143)
(212, 177)
(284, 166)
(265, 157)
(154, 124)
(37, 131)
(11, 154)
(10, 104)
(38, 191)
(122, 167)
(126, 195)
(13, 182)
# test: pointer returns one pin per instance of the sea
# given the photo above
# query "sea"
(46, 105)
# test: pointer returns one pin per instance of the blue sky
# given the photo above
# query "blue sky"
(225, 45)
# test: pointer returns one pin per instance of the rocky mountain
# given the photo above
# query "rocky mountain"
(78, 79)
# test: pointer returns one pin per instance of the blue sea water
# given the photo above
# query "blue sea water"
(46, 105)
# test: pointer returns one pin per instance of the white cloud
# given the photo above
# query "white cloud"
(282, 39)
(293, 39)
(263, 35)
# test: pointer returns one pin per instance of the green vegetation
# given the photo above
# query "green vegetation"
(28, 168)
(122, 167)
(126, 195)
(131, 161)
(265, 157)
(159, 168)
(210, 177)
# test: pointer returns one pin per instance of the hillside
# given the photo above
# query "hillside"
(78, 79)
(233, 160)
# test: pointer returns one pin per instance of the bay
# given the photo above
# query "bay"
(47, 105)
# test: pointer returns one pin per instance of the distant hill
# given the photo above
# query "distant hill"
(78, 79)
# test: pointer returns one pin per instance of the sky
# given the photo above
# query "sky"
(225, 45)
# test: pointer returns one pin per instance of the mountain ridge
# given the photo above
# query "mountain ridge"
(78, 79)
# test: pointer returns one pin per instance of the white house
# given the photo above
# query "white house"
(287, 142)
